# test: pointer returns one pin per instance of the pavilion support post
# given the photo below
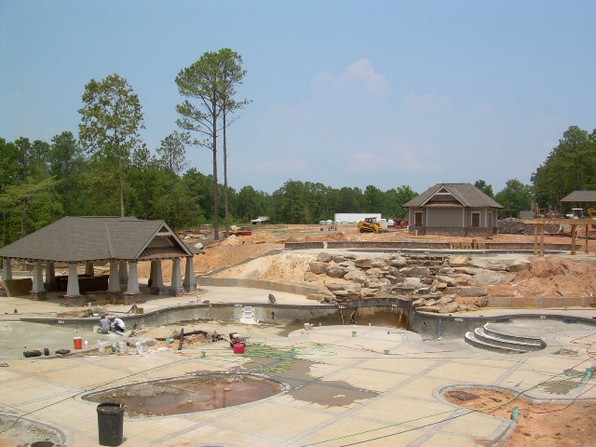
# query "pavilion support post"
(51, 276)
(89, 269)
(190, 281)
(156, 286)
(114, 279)
(535, 240)
(176, 288)
(6, 270)
(38, 290)
(587, 238)
(72, 287)
(133, 280)
(541, 240)
(573, 236)
(122, 272)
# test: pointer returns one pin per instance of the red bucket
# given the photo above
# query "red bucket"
(78, 342)
(238, 348)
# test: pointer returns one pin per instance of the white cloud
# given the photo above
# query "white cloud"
(360, 73)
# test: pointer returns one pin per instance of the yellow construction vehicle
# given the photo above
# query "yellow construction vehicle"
(369, 225)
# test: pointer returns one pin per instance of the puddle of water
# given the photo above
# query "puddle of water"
(189, 394)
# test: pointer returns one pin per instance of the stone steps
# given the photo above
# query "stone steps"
(492, 340)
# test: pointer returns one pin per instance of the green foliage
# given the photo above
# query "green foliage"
(515, 197)
(210, 83)
(571, 166)
(485, 188)
(111, 119)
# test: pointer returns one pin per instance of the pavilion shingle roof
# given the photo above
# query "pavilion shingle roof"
(465, 193)
(580, 196)
(78, 239)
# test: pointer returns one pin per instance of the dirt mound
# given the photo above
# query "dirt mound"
(551, 277)
(545, 424)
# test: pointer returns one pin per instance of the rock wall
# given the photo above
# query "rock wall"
(441, 284)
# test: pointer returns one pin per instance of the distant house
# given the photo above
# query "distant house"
(458, 209)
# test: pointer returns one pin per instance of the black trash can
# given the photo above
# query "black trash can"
(110, 419)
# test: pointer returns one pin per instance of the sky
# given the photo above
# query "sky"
(345, 93)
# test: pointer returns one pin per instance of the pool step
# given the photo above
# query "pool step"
(248, 315)
(490, 339)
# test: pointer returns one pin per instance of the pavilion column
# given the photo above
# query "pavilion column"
(89, 269)
(133, 279)
(38, 290)
(114, 280)
(176, 285)
(51, 276)
(72, 287)
(123, 273)
(6, 270)
(190, 282)
(156, 286)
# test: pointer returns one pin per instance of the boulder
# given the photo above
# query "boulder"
(366, 292)
(458, 261)
(518, 265)
(398, 262)
(336, 271)
(324, 257)
(471, 291)
(363, 263)
(411, 282)
(415, 271)
(317, 267)
(490, 277)
(449, 308)
(338, 259)
(431, 309)
(356, 276)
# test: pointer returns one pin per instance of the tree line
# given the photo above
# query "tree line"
(108, 170)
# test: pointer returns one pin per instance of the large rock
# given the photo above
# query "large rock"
(416, 270)
(398, 262)
(490, 277)
(317, 267)
(336, 271)
(432, 309)
(458, 261)
(412, 283)
(471, 291)
(518, 265)
(324, 257)
(356, 276)
(488, 264)
(448, 308)
(363, 263)
(338, 259)
(447, 280)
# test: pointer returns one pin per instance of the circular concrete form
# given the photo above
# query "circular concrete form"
(189, 394)
(27, 432)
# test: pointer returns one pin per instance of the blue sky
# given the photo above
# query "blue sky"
(345, 93)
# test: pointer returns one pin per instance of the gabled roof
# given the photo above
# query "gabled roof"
(461, 194)
(580, 196)
(78, 239)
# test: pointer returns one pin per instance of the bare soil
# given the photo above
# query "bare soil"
(550, 276)
(548, 425)
(545, 424)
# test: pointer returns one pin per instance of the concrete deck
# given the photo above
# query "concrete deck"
(405, 374)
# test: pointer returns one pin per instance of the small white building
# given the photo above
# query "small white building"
(344, 218)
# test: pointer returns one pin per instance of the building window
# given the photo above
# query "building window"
(418, 219)
(475, 219)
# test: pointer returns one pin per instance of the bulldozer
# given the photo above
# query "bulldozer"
(369, 225)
